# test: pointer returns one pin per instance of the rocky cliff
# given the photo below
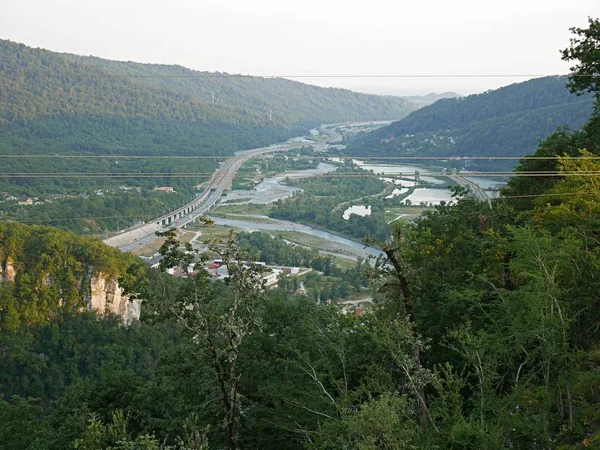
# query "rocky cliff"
(45, 270)
(102, 294)
(7, 271)
(106, 296)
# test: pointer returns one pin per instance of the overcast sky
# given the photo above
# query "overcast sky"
(315, 37)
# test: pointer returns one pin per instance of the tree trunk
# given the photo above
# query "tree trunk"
(408, 306)
(230, 435)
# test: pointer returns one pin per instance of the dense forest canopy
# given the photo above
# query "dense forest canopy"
(459, 112)
(510, 121)
(483, 333)
(37, 82)
(289, 101)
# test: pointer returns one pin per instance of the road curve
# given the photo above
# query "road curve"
(145, 233)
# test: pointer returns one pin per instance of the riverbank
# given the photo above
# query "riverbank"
(351, 245)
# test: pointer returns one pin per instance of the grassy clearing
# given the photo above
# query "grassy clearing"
(242, 184)
(186, 235)
(148, 249)
(343, 263)
(245, 218)
(238, 200)
(215, 232)
(391, 212)
(304, 239)
(308, 240)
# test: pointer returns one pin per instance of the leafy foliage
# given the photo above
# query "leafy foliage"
(51, 269)
(585, 50)
(484, 335)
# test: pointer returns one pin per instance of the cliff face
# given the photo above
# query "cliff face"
(7, 271)
(106, 296)
(46, 270)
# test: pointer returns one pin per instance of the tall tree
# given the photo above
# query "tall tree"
(585, 50)
(219, 324)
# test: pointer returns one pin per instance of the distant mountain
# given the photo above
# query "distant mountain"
(38, 83)
(509, 121)
(431, 97)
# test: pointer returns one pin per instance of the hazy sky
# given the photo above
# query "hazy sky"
(315, 37)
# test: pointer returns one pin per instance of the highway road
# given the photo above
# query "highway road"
(477, 191)
(221, 180)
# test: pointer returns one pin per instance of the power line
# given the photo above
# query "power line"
(323, 175)
(357, 157)
(62, 219)
(309, 76)
(131, 175)
(107, 174)
(115, 156)
(545, 195)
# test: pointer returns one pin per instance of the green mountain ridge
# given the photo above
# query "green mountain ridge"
(289, 101)
(37, 82)
(510, 121)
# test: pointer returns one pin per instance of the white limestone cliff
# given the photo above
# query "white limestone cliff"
(103, 295)
(7, 271)
(106, 296)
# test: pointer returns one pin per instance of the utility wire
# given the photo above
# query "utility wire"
(323, 175)
(545, 195)
(289, 156)
(308, 76)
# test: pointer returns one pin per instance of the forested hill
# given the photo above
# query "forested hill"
(460, 112)
(289, 101)
(66, 105)
(509, 121)
(36, 82)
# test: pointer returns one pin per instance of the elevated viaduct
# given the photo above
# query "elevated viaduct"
(200, 205)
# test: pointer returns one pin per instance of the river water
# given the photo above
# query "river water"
(270, 189)
(349, 245)
(429, 195)
(399, 169)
